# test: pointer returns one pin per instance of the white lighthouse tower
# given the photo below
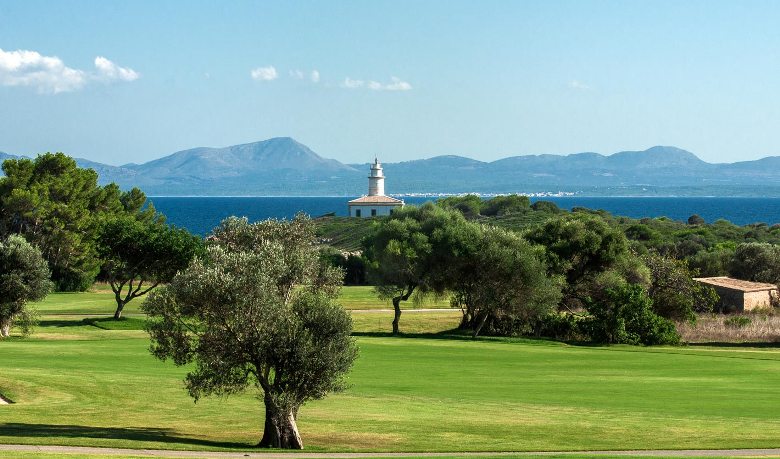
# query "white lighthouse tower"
(376, 179)
(375, 204)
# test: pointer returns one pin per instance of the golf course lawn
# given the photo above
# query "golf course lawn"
(101, 301)
(78, 384)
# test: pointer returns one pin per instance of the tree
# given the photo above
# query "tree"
(696, 220)
(24, 277)
(674, 293)
(469, 205)
(138, 255)
(257, 312)
(756, 262)
(502, 205)
(579, 247)
(400, 253)
(57, 207)
(503, 279)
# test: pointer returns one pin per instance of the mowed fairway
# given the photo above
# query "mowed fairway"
(101, 301)
(76, 384)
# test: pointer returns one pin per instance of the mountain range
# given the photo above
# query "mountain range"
(282, 166)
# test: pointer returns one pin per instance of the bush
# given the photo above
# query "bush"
(562, 326)
(626, 316)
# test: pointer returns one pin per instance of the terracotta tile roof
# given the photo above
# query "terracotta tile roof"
(736, 284)
(377, 201)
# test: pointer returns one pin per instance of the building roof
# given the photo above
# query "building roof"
(376, 201)
(736, 284)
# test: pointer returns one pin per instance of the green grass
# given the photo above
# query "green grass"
(364, 297)
(76, 384)
(100, 301)
(38, 455)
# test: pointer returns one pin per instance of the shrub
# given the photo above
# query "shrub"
(626, 316)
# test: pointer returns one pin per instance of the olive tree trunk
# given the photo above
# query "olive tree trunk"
(281, 430)
(5, 328)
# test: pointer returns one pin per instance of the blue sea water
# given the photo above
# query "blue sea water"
(200, 214)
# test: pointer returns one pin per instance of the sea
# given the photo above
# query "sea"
(200, 215)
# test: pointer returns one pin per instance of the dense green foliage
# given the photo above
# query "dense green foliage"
(403, 253)
(471, 205)
(257, 312)
(139, 254)
(24, 277)
(674, 293)
(58, 207)
(759, 262)
(625, 315)
(497, 279)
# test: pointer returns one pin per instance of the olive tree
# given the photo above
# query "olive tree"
(24, 277)
(503, 277)
(257, 312)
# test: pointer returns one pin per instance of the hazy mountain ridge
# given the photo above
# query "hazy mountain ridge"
(283, 166)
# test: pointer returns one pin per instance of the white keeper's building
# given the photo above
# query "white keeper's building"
(376, 203)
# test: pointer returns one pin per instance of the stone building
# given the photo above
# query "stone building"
(376, 203)
(739, 295)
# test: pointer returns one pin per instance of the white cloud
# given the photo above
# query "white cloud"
(264, 73)
(315, 76)
(110, 71)
(297, 74)
(349, 83)
(49, 74)
(396, 84)
(578, 85)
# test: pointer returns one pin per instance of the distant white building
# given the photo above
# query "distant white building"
(376, 203)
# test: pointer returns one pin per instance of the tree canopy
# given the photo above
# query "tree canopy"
(257, 312)
(503, 278)
(402, 253)
(138, 254)
(58, 207)
(24, 277)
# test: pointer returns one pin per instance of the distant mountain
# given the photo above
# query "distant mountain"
(282, 166)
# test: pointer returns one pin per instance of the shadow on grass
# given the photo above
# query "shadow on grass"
(61, 323)
(144, 434)
(460, 335)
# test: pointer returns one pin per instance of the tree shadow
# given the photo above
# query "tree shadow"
(61, 323)
(143, 434)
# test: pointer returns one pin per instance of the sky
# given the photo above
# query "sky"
(131, 81)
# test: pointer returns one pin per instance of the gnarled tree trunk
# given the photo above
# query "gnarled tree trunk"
(281, 430)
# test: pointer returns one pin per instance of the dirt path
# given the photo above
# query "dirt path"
(770, 452)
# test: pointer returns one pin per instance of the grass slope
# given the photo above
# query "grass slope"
(76, 384)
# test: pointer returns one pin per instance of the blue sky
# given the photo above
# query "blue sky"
(122, 82)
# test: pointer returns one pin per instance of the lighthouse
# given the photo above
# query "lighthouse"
(375, 204)
(376, 179)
